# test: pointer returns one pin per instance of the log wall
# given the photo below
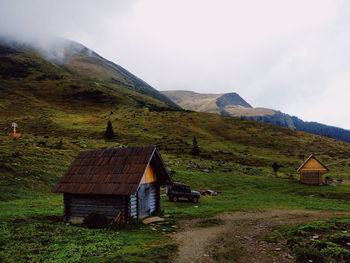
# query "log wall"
(133, 207)
(80, 206)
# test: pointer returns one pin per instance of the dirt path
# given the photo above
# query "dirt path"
(239, 236)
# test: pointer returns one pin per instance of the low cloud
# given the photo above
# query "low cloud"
(48, 25)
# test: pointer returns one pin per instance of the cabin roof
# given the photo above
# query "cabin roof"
(308, 159)
(112, 171)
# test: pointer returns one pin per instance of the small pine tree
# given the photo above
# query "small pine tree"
(109, 134)
(275, 167)
(195, 148)
(59, 145)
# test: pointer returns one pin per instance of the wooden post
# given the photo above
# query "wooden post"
(137, 205)
(14, 126)
(14, 132)
(158, 199)
(66, 207)
(118, 219)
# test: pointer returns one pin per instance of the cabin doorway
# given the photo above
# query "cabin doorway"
(147, 199)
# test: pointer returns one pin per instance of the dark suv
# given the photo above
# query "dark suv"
(180, 190)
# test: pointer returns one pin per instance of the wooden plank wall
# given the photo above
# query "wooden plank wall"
(83, 205)
(311, 177)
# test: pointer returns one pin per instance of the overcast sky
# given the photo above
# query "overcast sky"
(289, 55)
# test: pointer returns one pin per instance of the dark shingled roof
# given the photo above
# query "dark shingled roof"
(112, 171)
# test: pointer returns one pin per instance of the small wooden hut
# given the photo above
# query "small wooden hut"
(121, 184)
(311, 171)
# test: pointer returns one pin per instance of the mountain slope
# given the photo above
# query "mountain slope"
(75, 73)
(235, 106)
(213, 103)
(292, 122)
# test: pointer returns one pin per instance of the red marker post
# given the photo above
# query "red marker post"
(14, 127)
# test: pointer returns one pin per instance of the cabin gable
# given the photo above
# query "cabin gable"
(311, 171)
(314, 165)
(149, 176)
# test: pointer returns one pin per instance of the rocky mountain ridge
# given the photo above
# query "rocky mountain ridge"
(231, 104)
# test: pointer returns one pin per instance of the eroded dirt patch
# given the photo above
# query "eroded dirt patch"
(240, 236)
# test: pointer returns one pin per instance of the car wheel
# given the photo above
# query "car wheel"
(175, 199)
(195, 199)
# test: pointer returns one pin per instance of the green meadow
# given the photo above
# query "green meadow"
(235, 159)
(32, 229)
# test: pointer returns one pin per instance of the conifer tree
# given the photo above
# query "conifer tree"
(109, 134)
(195, 147)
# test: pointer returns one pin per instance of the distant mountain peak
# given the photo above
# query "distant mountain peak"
(206, 102)
(232, 100)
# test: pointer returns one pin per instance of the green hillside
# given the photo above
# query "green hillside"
(62, 109)
(52, 136)
(77, 76)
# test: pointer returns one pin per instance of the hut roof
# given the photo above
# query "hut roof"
(308, 159)
(112, 171)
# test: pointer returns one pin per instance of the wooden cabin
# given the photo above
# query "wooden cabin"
(311, 171)
(121, 184)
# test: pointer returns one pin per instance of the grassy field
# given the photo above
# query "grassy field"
(319, 241)
(32, 230)
(236, 157)
(61, 112)
(246, 192)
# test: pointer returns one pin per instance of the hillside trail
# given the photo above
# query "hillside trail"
(239, 236)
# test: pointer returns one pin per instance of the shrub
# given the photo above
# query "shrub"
(340, 238)
(312, 227)
(321, 244)
(305, 253)
(335, 252)
(275, 167)
(95, 220)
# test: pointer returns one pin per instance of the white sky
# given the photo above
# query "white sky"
(289, 55)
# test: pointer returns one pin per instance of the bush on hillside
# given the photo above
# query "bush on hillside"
(95, 220)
